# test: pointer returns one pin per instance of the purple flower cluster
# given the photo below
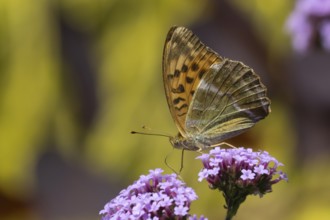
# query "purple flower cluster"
(239, 172)
(309, 24)
(240, 168)
(154, 196)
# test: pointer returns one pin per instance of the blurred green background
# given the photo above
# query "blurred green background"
(77, 76)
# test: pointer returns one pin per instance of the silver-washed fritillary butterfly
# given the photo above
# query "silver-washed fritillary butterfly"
(211, 98)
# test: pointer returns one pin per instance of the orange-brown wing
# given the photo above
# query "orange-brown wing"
(185, 60)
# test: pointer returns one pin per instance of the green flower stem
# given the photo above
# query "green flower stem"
(233, 201)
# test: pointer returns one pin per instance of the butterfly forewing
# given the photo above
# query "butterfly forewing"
(185, 60)
(229, 99)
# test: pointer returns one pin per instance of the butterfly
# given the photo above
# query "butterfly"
(210, 98)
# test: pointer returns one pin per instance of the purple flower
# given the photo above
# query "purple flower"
(247, 175)
(153, 196)
(309, 24)
(240, 172)
(194, 217)
(260, 170)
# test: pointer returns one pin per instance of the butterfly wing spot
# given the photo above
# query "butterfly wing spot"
(184, 68)
(201, 73)
(194, 67)
(181, 107)
(189, 80)
(177, 73)
(179, 89)
(177, 100)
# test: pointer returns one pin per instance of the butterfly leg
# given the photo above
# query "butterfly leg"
(182, 157)
(171, 168)
(223, 143)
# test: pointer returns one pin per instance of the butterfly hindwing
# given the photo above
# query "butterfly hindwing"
(185, 60)
(229, 99)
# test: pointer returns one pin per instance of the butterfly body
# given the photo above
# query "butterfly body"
(210, 98)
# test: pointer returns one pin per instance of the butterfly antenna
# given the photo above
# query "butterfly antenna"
(150, 132)
(155, 131)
